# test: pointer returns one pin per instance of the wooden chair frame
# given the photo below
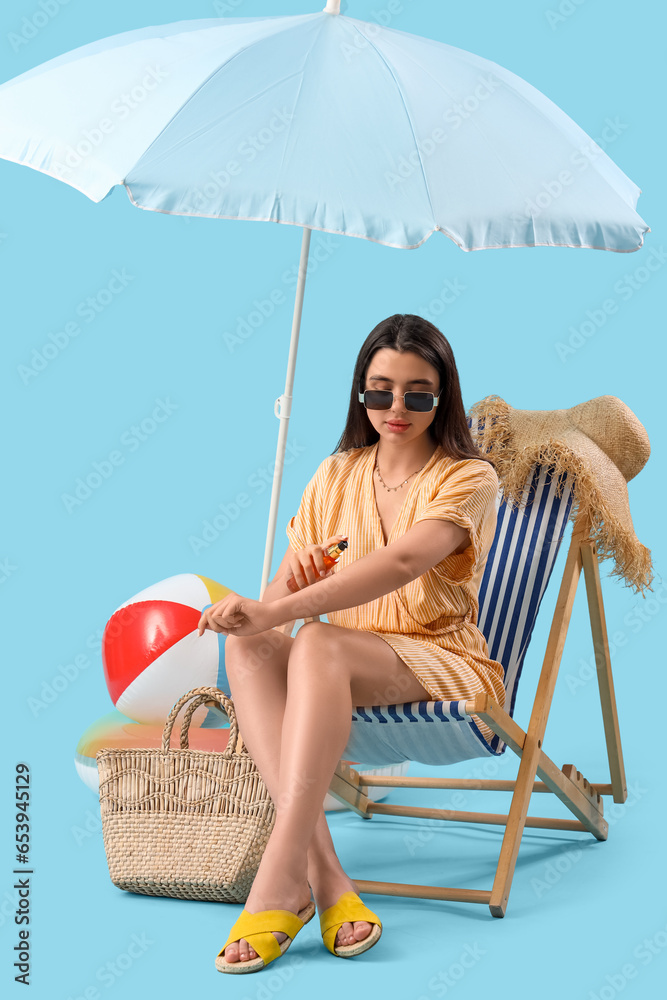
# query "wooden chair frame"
(580, 796)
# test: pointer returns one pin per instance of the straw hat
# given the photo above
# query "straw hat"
(601, 442)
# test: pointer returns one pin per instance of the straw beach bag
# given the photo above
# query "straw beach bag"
(191, 824)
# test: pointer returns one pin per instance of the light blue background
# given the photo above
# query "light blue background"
(574, 919)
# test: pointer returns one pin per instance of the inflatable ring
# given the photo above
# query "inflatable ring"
(117, 730)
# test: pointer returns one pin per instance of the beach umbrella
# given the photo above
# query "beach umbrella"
(322, 121)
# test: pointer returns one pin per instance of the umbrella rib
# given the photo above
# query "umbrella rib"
(498, 159)
(489, 146)
(203, 84)
(407, 114)
(552, 114)
(289, 123)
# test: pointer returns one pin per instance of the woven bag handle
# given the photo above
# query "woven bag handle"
(235, 738)
(201, 695)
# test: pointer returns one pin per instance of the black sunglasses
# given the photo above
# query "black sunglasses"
(383, 399)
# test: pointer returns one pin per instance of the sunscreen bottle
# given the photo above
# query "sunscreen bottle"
(330, 559)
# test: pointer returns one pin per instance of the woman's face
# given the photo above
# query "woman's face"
(401, 373)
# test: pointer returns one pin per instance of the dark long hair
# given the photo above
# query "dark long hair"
(407, 332)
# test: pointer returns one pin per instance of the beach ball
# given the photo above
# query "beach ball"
(152, 653)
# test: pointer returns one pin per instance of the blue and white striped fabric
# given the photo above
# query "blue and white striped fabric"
(516, 575)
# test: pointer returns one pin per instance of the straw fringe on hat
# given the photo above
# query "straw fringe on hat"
(601, 442)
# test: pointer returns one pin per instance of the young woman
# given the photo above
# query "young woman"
(416, 500)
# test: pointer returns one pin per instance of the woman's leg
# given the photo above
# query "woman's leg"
(329, 669)
(256, 667)
(257, 670)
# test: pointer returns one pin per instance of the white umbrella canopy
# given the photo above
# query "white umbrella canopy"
(322, 121)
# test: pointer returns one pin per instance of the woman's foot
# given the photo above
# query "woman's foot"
(327, 890)
(241, 951)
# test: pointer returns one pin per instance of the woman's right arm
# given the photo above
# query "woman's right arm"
(300, 562)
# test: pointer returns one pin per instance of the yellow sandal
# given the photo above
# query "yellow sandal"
(256, 928)
(348, 908)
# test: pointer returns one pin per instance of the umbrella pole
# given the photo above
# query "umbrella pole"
(282, 409)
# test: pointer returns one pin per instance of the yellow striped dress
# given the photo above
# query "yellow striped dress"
(431, 622)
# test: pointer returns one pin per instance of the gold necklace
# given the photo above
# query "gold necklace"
(392, 489)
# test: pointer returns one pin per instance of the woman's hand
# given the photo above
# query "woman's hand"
(307, 565)
(236, 615)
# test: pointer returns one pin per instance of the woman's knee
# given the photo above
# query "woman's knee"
(249, 653)
(320, 641)
(317, 635)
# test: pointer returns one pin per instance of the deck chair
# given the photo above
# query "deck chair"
(517, 572)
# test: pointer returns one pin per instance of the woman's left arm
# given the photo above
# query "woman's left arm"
(379, 572)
